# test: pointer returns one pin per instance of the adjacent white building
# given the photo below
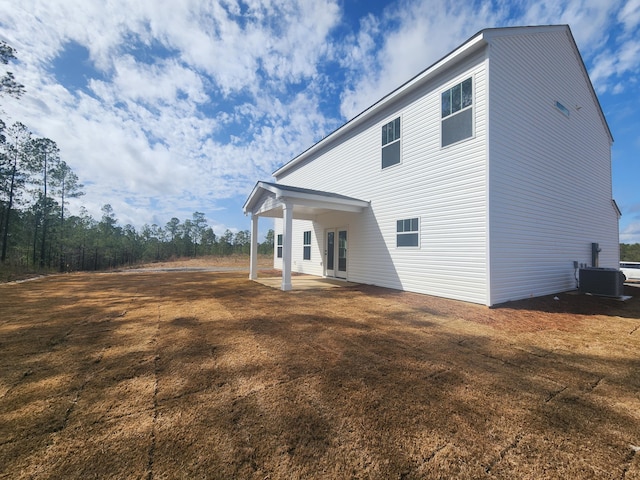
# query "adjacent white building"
(484, 178)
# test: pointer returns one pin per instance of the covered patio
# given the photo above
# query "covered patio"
(289, 203)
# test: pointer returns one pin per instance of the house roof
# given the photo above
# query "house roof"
(268, 199)
(473, 44)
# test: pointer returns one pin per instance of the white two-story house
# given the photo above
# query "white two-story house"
(484, 178)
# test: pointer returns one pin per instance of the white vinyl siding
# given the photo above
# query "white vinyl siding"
(445, 188)
(550, 178)
(298, 263)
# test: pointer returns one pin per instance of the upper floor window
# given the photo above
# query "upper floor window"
(391, 143)
(407, 234)
(279, 249)
(306, 245)
(457, 113)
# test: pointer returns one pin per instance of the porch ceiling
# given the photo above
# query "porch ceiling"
(268, 200)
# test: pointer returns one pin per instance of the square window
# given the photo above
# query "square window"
(407, 233)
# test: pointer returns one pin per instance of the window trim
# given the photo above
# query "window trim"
(386, 143)
(459, 111)
(306, 245)
(407, 233)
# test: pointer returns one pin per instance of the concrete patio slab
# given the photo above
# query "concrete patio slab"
(306, 282)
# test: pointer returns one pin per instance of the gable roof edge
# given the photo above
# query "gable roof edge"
(585, 72)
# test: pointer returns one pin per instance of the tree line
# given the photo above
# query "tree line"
(36, 231)
(80, 242)
(630, 252)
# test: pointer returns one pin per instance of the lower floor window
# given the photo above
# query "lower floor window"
(306, 245)
(407, 234)
(279, 250)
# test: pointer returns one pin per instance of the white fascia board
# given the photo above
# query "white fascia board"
(490, 33)
(247, 207)
(310, 200)
(461, 52)
(256, 194)
(344, 205)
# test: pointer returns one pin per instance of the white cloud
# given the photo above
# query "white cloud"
(359, 48)
(629, 15)
(139, 132)
(609, 66)
(603, 67)
(617, 88)
(628, 57)
(159, 82)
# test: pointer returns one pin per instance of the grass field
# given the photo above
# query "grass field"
(156, 375)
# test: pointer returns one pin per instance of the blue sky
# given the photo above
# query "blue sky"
(164, 108)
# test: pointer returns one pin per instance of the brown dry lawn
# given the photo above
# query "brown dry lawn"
(158, 375)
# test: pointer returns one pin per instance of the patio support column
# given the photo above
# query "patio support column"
(287, 216)
(253, 266)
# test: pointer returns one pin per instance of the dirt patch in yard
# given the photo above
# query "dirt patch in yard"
(208, 375)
